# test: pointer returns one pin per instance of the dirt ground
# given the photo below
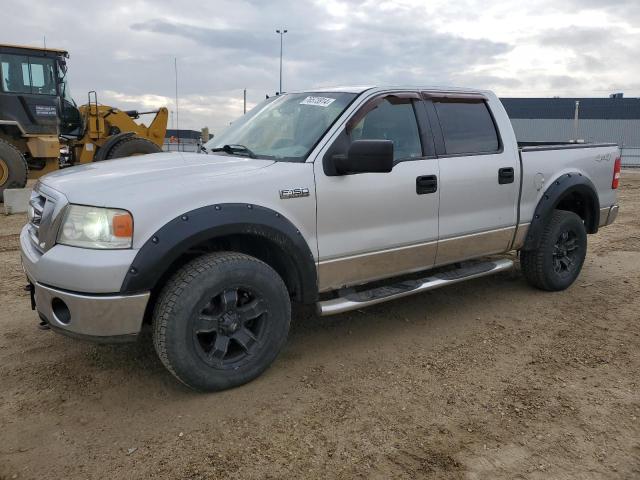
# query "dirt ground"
(487, 380)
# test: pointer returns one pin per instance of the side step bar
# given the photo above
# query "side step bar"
(355, 300)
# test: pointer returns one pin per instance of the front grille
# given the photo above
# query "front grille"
(36, 211)
(43, 217)
(37, 203)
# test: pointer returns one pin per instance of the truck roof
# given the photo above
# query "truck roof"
(362, 88)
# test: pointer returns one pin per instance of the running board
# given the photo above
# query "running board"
(355, 300)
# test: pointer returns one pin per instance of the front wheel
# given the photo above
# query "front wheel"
(558, 260)
(221, 320)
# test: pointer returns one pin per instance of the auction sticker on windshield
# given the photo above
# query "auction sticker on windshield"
(318, 101)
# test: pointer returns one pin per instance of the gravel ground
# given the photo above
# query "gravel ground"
(490, 379)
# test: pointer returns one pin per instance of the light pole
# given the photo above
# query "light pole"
(281, 33)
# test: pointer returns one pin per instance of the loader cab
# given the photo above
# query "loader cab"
(34, 93)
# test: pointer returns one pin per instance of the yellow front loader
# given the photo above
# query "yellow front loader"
(42, 129)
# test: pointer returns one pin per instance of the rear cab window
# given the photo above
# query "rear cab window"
(467, 127)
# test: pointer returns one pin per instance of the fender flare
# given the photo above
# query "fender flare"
(193, 228)
(103, 151)
(562, 186)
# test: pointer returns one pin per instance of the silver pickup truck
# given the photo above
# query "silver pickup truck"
(342, 197)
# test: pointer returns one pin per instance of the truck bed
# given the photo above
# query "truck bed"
(543, 162)
(539, 146)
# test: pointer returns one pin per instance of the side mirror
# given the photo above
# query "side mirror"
(366, 156)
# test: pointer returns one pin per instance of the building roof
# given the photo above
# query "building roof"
(183, 134)
(564, 108)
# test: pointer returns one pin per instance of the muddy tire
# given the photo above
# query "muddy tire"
(221, 320)
(13, 168)
(130, 146)
(558, 260)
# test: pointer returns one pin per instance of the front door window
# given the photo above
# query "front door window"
(392, 121)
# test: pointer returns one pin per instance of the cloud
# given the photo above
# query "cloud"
(576, 37)
(201, 108)
(368, 51)
(126, 51)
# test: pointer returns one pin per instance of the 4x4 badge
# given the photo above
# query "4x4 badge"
(294, 193)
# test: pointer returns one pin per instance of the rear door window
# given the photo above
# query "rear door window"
(467, 127)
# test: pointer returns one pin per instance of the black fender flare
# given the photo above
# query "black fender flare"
(562, 186)
(103, 151)
(213, 222)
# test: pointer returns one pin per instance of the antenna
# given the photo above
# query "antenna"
(576, 116)
(44, 41)
(175, 67)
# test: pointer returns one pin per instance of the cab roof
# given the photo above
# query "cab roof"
(34, 49)
(382, 88)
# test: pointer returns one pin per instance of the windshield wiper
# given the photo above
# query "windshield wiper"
(233, 149)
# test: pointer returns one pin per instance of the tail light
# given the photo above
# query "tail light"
(616, 173)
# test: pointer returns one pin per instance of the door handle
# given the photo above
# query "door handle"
(506, 175)
(426, 184)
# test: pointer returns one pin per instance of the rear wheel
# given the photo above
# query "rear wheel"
(13, 168)
(558, 260)
(221, 320)
(130, 146)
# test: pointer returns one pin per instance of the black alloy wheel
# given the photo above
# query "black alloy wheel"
(566, 253)
(230, 327)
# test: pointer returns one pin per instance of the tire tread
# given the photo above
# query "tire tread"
(532, 261)
(21, 181)
(170, 293)
(114, 148)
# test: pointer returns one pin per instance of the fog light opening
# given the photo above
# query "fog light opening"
(61, 311)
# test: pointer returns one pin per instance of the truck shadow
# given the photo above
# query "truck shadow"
(314, 339)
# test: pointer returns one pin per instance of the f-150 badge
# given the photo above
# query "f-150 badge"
(294, 193)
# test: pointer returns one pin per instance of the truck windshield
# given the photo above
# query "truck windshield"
(286, 127)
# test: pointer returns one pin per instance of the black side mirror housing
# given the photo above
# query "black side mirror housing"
(366, 156)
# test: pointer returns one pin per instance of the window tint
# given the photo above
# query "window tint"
(467, 127)
(42, 76)
(395, 122)
(15, 73)
(21, 74)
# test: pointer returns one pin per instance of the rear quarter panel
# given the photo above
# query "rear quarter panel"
(540, 168)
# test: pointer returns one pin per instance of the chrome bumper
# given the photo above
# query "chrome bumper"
(608, 215)
(95, 317)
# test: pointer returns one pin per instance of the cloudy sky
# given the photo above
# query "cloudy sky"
(125, 49)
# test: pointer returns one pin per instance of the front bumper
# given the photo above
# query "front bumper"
(103, 318)
(73, 291)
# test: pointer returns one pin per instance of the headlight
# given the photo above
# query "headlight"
(94, 227)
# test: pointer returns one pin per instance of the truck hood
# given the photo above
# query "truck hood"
(98, 183)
